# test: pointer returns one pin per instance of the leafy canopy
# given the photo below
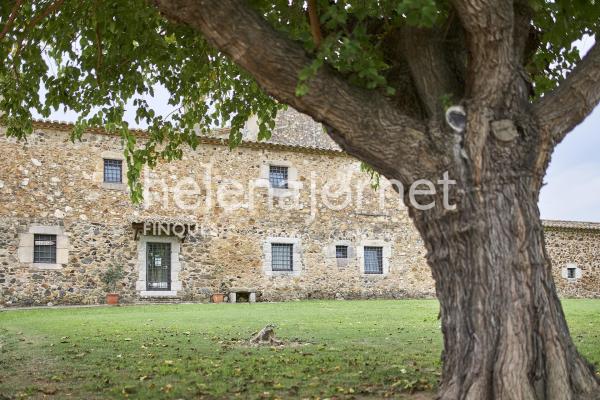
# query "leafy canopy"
(94, 57)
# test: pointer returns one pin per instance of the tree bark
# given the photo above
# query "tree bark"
(505, 335)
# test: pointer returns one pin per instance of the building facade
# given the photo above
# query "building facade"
(291, 218)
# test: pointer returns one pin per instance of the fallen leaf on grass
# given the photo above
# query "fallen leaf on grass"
(129, 390)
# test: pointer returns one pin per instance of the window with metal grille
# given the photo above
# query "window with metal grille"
(113, 171)
(44, 249)
(571, 271)
(373, 260)
(341, 251)
(278, 177)
(282, 256)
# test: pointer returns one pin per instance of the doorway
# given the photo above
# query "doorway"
(158, 266)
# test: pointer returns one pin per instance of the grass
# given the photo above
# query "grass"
(346, 350)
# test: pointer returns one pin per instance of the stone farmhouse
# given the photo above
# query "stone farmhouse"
(290, 218)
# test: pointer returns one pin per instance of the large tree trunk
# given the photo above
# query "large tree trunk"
(505, 335)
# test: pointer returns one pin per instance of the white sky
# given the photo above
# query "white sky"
(572, 190)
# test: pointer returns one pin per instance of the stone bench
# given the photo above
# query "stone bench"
(235, 293)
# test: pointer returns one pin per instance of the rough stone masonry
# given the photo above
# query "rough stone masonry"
(273, 217)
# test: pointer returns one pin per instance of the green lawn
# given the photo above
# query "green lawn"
(348, 349)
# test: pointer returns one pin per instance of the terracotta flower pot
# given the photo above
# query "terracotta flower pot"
(112, 298)
(217, 297)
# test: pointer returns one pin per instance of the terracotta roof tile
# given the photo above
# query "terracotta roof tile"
(67, 126)
(571, 225)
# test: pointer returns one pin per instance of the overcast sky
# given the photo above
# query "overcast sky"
(572, 190)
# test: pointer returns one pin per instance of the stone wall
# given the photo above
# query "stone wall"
(294, 128)
(575, 245)
(50, 182)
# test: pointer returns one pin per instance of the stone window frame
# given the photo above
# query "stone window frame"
(565, 272)
(297, 265)
(26, 246)
(140, 284)
(386, 255)
(98, 176)
(293, 183)
(330, 252)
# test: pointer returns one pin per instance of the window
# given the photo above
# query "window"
(113, 171)
(44, 249)
(373, 260)
(341, 251)
(571, 272)
(282, 256)
(278, 177)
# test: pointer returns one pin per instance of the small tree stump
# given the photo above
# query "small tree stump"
(266, 336)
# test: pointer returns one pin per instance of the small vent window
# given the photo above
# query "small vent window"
(373, 260)
(44, 249)
(341, 252)
(278, 177)
(571, 272)
(282, 256)
(113, 171)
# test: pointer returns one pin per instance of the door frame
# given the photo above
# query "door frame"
(141, 284)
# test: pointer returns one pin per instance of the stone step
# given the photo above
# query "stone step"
(159, 300)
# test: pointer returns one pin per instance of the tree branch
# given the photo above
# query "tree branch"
(52, 8)
(363, 122)
(11, 18)
(98, 33)
(489, 27)
(434, 79)
(561, 110)
(490, 70)
(400, 78)
(315, 24)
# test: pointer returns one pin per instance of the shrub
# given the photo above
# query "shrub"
(111, 276)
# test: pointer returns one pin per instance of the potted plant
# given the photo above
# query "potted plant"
(110, 278)
(219, 297)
